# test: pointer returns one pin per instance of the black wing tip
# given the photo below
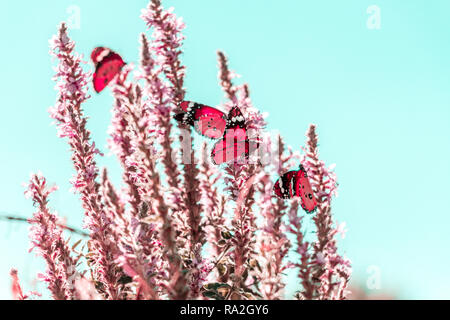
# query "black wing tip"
(179, 116)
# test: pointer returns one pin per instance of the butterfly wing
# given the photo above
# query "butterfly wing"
(184, 118)
(98, 54)
(187, 116)
(303, 189)
(283, 188)
(207, 121)
(236, 120)
(218, 154)
(108, 65)
(187, 106)
(210, 122)
(232, 147)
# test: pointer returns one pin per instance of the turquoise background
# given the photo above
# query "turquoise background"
(380, 99)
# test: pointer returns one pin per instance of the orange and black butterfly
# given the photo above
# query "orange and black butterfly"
(296, 184)
(108, 64)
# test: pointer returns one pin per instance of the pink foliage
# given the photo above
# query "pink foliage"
(180, 227)
(46, 237)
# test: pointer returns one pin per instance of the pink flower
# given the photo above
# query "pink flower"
(72, 92)
(16, 289)
(178, 228)
(341, 229)
(46, 237)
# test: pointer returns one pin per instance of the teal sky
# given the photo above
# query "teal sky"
(380, 99)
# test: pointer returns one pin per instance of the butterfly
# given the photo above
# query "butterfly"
(107, 65)
(207, 121)
(234, 144)
(296, 184)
